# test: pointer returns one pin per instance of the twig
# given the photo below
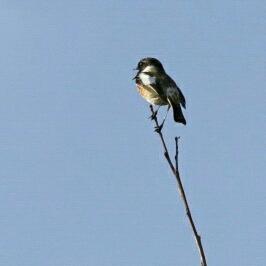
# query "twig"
(175, 171)
(184, 199)
(166, 153)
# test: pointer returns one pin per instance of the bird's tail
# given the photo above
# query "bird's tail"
(178, 114)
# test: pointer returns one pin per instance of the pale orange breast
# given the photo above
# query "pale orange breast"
(150, 95)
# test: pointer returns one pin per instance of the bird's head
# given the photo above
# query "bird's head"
(149, 65)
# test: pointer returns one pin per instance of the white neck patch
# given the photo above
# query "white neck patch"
(147, 79)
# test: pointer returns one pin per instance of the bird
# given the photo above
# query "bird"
(158, 88)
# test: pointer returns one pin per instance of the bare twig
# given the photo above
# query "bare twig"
(166, 153)
(175, 171)
(184, 199)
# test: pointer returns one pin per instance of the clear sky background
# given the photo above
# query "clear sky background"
(82, 178)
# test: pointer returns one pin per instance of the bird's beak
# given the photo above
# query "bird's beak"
(137, 73)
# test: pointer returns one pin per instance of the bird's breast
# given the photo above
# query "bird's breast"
(150, 95)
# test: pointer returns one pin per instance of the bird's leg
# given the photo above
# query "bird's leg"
(159, 128)
(152, 117)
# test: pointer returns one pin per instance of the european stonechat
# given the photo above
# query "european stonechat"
(156, 87)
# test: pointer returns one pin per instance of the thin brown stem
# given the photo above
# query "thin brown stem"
(166, 153)
(175, 171)
(188, 212)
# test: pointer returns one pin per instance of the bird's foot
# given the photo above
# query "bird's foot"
(158, 129)
(154, 114)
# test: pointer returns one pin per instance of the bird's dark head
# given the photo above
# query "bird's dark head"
(150, 64)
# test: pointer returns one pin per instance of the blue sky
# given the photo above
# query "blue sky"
(82, 178)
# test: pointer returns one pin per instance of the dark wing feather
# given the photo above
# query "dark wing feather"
(182, 98)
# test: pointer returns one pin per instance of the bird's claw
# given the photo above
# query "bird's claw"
(158, 129)
(153, 116)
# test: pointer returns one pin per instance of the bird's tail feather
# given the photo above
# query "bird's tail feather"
(178, 114)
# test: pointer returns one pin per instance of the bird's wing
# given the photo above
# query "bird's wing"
(156, 87)
(150, 81)
(181, 96)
